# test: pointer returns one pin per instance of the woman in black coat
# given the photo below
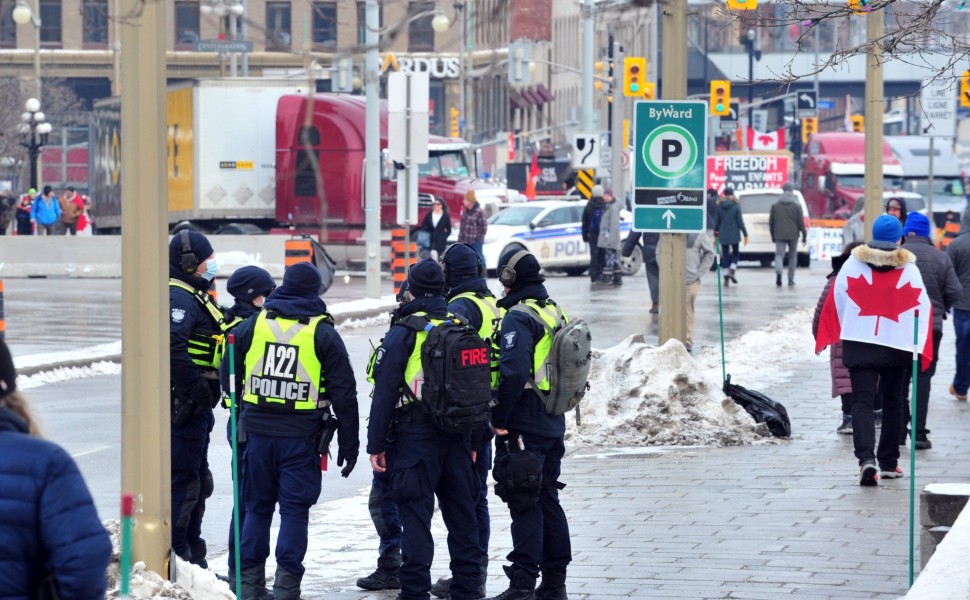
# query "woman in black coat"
(438, 224)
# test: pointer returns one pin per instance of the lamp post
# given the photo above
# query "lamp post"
(463, 102)
(235, 9)
(754, 53)
(36, 129)
(23, 14)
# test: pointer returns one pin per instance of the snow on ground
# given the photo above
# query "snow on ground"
(59, 374)
(99, 351)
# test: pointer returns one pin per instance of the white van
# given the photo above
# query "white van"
(756, 208)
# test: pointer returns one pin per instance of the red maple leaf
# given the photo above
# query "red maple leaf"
(766, 139)
(882, 297)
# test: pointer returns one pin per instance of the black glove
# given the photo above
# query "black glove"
(350, 459)
(182, 410)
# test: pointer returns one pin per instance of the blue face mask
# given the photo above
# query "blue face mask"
(211, 268)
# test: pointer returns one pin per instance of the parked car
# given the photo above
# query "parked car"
(854, 229)
(552, 231)
(756, 208)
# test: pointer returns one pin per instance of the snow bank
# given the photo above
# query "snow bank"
(59, 374)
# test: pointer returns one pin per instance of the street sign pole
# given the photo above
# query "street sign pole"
(618, 181)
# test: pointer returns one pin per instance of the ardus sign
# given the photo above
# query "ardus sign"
(436, 66)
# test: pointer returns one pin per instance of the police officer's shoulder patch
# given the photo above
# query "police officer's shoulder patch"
(510, 339)
(178, 315)
(379, 356)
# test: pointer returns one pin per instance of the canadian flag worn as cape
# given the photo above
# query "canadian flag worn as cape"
(878, 307)
(773, 140)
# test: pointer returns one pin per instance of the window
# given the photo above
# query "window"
(50, 23)
(325, 25)
(420, 33)
(186, 24)
(278, 36)
(95, 23)
(8, 28)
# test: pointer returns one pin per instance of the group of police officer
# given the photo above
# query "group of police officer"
(297, 389)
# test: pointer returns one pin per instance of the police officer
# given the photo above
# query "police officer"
(294, 367)
(429, 460)
(195, 337)
(468, 297)
(249, 286)
(540, 533)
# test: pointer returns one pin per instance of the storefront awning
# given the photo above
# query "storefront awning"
(544, 93)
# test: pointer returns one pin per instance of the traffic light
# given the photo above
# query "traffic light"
(649, 91)
(809, 126)
(599, 66)
(634, 75)
(519, 56)
(455, 130)
(720, 97)
(342, 74)
(965, 89)
(742, 4)
(858, 123)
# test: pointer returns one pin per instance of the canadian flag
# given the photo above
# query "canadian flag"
(878, 307)
(774, 140)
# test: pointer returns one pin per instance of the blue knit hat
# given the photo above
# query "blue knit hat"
(917, 224)
(425, 279)
(886, 232)
(302, 279)
(249, 282)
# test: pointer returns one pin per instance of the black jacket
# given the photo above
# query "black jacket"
(188, 316)
(590, 233)
(942, 284)
(440, 232)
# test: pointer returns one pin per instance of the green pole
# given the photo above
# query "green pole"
(124, 561)
(912, 447)
(235, 464)
(720, 304)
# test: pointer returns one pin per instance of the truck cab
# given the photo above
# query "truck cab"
(833, 172)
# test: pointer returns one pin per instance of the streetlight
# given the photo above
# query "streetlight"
(22, 14)
(35, 129)
(754, 53)
(235, 9)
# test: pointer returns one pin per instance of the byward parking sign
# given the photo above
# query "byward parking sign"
(670, 166)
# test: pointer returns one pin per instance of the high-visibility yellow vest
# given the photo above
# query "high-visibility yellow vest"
(282, 369)
(951, 229)
(491, 318)
(205, 347)
(555, 318)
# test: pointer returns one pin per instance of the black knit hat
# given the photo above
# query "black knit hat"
(460, 262)
(526, 269)
(8, 373)
(197, 242)
(302, 279)
(249, 282)
(425, 279)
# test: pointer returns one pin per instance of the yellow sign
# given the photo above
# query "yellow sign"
(181, 152)
(239, 165)
(585, 180)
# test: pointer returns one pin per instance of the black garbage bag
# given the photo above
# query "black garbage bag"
(762, 408)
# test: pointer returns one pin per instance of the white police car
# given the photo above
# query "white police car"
(552, 231)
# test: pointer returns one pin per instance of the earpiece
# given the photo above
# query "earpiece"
(188, 261)
(507, 276)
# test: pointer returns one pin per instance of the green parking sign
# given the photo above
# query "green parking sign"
(670, 166)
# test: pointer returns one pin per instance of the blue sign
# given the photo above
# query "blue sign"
(826, 105)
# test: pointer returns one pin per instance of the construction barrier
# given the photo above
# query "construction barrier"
(400, 263)
(297, 251)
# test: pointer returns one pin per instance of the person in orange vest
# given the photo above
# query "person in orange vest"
(949, 231)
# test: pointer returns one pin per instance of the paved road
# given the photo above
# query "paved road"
(768, 521)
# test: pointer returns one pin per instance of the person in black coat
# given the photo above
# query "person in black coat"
(52, 537)
(592, 216)
(437, 222)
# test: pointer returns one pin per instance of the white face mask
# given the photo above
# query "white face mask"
(211, 268)
(258, 301)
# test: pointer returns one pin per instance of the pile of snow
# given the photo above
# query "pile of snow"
(59, 374)
(642, 395)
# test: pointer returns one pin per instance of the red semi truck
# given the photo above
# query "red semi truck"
(833, 172)
(237, 164)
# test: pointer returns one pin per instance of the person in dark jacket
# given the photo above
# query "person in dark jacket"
(52, 537)
(944, 290)
(249, 286)
(430, 462)
(785, 222)
(195, 338)
(729, 229)
(468, 297)
(540, 533)
(25, 224)
(592, 217)
(841, 383)
(437, 223)
(959, 253)
(711, 208)
(897, 208)
(293, 367)
(648, 246)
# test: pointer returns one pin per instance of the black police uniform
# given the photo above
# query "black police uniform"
(540, 534)
(195, 390)
(429, 462)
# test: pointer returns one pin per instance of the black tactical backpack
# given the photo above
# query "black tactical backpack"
(455, 392)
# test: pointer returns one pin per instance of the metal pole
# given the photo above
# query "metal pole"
(244, 32)
(462, 100)
(617, 149)
(929, 189)
(37, 23)
(34, 155)
(233, 67)
(817, 95)
(873, 118)
(145, 416)
(750, 80)
(372, 151)
(672, 248)
(588, 124)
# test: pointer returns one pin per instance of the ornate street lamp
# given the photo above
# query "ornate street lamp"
(35, 129)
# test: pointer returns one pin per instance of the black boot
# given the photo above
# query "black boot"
(483, 578)
(254, 584)
(553, 586)
(521, 585)
(440, 588)
(286, 586)
(382, 579)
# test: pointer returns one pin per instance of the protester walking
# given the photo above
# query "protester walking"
(785, 222)
(959, 253)
(54, 545)
(590, 231)
(944, 289)
(609, 242)
(72, 207)
(877, 346)
(648, 246)
(436, 227)
(24, 212)
(473, 224)
(730, 229)
(46, 212)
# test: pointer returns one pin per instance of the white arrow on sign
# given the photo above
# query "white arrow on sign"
(807, 98)
(669, 217)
